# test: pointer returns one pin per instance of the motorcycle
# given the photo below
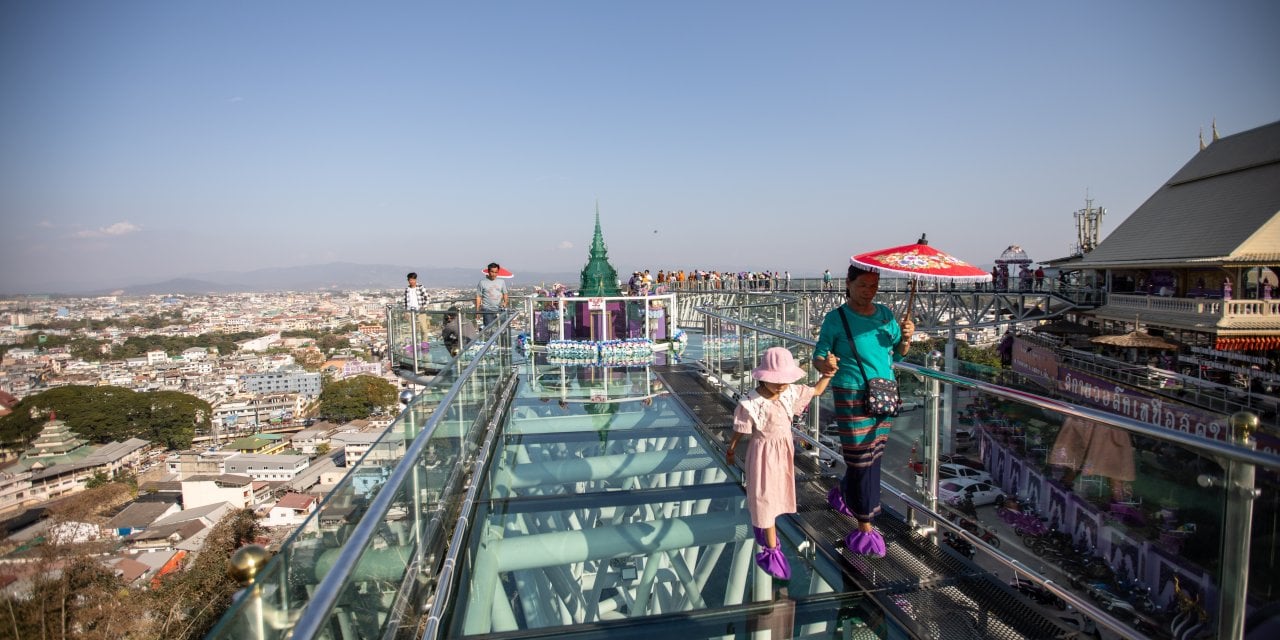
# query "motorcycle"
(962, 546)
(964, 505)
(1038, 593)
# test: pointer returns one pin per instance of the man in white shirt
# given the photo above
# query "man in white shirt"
(415, 300)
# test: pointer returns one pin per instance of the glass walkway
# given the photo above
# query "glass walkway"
(521, 496)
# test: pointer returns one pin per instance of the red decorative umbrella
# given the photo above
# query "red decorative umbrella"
(920, 261)
(502, 272)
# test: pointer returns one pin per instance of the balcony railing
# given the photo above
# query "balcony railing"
(1212, 309)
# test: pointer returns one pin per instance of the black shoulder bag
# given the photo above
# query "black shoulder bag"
(882, 397)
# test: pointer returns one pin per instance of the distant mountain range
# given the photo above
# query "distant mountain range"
(333, 276)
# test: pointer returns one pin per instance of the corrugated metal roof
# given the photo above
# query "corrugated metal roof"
(1209, 209)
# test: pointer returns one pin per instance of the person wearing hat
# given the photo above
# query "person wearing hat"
(765, 415)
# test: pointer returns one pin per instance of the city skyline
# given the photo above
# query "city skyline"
(150, 141)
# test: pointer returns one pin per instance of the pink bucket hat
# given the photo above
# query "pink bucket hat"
(778, 366)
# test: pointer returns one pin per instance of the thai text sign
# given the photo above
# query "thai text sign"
(1131, 403)
(595, 304)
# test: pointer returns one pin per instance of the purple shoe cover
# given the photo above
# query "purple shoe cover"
(760, 537)
(774, 563)
(865, 543)
(835, 499)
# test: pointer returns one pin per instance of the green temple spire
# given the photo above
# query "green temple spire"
(599, 278)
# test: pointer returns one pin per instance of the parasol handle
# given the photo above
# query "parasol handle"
(911, 299)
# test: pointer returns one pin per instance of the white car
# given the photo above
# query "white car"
(953, 470)
(981, 492)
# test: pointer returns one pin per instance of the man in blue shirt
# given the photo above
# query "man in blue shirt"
(491, 295)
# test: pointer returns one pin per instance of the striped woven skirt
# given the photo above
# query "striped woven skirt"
(862, 442)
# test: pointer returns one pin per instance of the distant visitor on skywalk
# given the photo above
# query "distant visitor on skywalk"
(491, 294)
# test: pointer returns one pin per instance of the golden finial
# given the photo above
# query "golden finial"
(246, 562)
(1215, 129)
(1202, 138)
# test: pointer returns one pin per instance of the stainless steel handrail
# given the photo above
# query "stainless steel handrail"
(1240, 459)
(325, 596)
(1218, 449)
(445, 579)
(1221, 449)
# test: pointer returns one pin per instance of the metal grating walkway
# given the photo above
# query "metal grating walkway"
(924, 587)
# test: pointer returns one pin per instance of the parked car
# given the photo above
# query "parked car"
(953, 470)
(981, 492)
(962, 434)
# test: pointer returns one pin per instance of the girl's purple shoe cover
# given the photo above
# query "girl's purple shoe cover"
(772, 560)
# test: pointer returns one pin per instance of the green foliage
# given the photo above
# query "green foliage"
(137, 346)
(980, 356)
(146, 322)
(188, 604)
(97, 480)
(106, 413)
(86, 601)
(330, 342)
(356, 397)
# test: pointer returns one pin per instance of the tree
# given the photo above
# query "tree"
(106, 413)
(356, 397)
(85, 600)
(329, 343)
(188, 604)
(309, 358)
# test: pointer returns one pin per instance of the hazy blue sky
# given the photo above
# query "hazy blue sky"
(143, 140)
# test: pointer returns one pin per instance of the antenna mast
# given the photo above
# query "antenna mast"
(1088, 226)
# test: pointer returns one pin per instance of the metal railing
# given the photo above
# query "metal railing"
(386, 520)
(735, 346)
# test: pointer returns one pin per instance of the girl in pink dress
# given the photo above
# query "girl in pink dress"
(765, 414)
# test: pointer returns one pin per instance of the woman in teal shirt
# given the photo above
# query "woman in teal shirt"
(880, 341)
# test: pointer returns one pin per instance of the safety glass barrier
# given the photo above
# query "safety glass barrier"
(566, 322)
(351, 569)
(427, 340)
(1140, 518)
(606, 510)
(1122, 520)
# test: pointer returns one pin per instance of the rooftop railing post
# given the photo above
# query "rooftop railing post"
(949, 395)
(413, 338)
(933, 390)
(392, 334)
(1240, 493)
(243, 567)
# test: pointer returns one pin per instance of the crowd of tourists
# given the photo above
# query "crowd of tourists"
(642, 282)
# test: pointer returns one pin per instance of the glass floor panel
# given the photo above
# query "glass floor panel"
(605, 508)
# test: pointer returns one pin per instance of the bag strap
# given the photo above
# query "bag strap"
(854, 346)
